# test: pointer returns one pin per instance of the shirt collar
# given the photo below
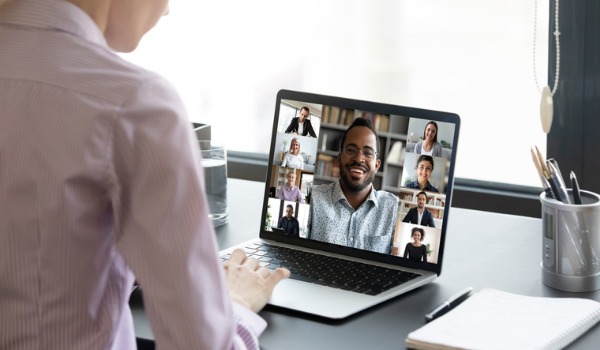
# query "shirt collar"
(56, 15)
(338, 195)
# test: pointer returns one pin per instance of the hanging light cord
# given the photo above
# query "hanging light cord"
(556, 36)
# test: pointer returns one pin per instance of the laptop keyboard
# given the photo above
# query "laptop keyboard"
(325, 270)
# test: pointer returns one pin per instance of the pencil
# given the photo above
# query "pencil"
(541, 160)
(547, 176)
(538, 167)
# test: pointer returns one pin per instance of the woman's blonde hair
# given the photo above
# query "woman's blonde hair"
(295, 139)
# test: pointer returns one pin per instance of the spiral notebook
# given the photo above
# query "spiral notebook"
(493, 319)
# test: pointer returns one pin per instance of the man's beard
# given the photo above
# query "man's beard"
(346, 179)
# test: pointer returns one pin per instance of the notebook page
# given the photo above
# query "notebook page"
(493, 319)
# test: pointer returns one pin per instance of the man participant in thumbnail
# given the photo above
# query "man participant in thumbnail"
(420, 215)
(301, 125)
(288, 223)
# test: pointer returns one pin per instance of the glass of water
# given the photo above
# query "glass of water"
(214, 162)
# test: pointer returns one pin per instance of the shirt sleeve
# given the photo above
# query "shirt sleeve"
(290, 127)
(160, 217)
(431, 222)
(406, 217)
(418, 147)
(300, 196)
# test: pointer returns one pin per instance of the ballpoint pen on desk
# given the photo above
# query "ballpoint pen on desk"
(449, 304)
(575, 188)
(538, 167)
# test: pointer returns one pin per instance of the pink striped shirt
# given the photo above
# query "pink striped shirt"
(100, 179)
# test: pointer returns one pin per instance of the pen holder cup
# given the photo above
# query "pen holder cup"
(571, 243)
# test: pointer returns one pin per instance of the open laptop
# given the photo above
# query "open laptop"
(316, 169)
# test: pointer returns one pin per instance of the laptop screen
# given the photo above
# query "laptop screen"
(380, 185)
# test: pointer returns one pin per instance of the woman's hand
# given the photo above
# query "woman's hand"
(251, 285)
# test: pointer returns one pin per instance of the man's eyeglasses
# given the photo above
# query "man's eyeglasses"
(368, 153)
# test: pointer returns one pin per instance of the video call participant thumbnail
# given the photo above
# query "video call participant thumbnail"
(424, 170)
(289, 191)
(301, 125)
(416, 250)
(288, 222)
(293, 159)
(429, 145)
(420, 215)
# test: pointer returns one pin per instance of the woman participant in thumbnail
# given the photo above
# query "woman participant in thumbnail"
(289, 191)
(429, 145)
(416, 250)
(294, 159)
(424, 170)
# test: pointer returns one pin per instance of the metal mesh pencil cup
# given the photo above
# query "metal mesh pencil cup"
(571, 243)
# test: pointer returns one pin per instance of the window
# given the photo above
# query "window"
(470, 57)
(287, 113)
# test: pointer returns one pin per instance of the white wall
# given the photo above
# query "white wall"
(475, 58)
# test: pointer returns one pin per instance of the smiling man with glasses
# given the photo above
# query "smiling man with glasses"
(350, 211)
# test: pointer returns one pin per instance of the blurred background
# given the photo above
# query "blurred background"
(229, 58)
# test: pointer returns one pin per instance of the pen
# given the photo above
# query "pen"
(575, 187)
(561, 191)
(449, 304)
(557, 171)
(553, 186)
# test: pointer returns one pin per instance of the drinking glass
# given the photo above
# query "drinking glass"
(214, 162)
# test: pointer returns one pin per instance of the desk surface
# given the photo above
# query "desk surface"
(482, 250)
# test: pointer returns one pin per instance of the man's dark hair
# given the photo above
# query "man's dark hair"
(307, 111)
(290, 206)
(360, 122)
(422, 192)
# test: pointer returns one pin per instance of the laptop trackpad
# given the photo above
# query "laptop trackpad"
(319, 300)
